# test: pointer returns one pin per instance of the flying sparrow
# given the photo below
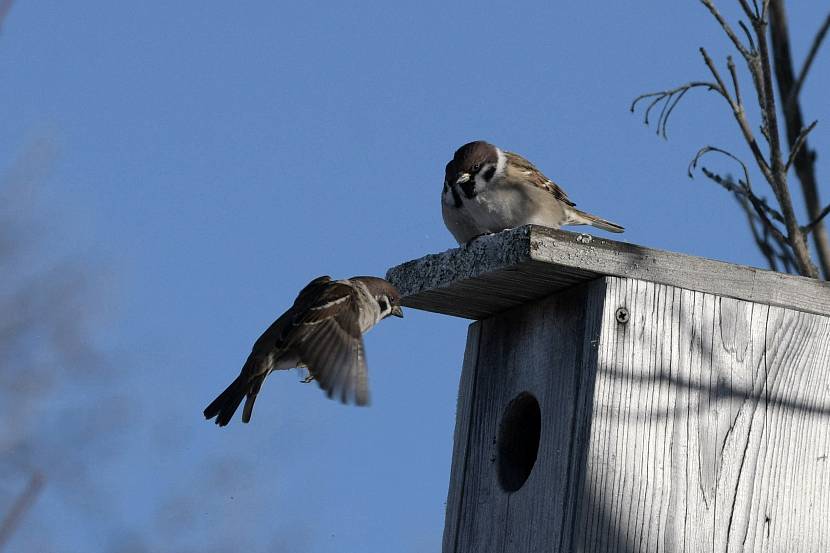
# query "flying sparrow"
(488, 190)
(323, 332)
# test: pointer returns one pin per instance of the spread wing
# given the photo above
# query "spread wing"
(274, 335)
(530, 174)
(325, 331)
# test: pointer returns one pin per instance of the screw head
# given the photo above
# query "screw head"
(622, 315)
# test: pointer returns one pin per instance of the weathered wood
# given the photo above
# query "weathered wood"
(513, 267)
(524, 350)
(701, 423)
(461, 437)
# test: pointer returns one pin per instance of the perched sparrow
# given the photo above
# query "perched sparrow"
(489, 190)
(322, 331)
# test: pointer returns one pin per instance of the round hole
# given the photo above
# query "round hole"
(518, 441)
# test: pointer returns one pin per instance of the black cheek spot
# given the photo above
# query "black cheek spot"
(488, 173)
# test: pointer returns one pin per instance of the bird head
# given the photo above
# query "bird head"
(473, 163)
(387, 296)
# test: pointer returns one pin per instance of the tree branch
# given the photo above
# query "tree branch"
(746, 53)
(808, 228)
(762, 235)
(799, 142)
(808, 62)
(671, 98)
(740, 116)
(765, 212)
(803, 159)
(22, 504)
(778, 182)
(774, 167)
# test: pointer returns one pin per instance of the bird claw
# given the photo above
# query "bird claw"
(309, 378)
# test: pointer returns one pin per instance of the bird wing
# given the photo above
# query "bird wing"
(325, 331)
(274, 335)
(530, 174)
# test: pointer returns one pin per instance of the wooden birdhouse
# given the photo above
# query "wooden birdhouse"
(619, 398)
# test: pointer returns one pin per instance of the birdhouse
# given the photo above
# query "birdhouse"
(619, 398)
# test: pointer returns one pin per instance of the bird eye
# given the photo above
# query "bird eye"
(476, 167)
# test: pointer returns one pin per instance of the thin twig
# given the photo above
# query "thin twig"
(671, 98)
(749, 38)
(763, 209)
(711, 65)
(729, 32)
(740, 116)
(22, 504)
(808, 61)
(799, 142)
(731, 65)
(760, 231)
(747, 10)
(808, 228)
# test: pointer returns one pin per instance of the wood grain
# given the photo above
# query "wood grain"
(701, 424)
(536, 349)
(504, 270)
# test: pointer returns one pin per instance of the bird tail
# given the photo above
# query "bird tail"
(224, 406)
(252, 393)
(581, 218)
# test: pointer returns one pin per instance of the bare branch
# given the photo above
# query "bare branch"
(761, 233)
(765, 212)
(749, 38)
(747, 10)
(808, 228)
(727, 29)
(778, 180)
(710, 64)
(671, 98)
(22, 504)
(808, 62)
(731, 65)
(804, 161)
(740, 117)
(799, 142)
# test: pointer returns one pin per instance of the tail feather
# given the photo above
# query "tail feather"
(582, 218)
(249, 401)
(224, 406)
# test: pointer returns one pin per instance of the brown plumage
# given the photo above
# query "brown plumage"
(488, 190)
(322, 331)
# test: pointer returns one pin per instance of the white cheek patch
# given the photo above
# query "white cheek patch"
(500, 164)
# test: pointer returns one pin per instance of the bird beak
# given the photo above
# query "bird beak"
(397, 311)
(462, 178)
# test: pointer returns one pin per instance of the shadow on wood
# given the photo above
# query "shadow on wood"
(690, 421)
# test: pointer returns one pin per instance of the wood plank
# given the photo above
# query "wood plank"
(461, 438)
(538, 349)
(709, 427)
(503, 270)
(701, 424)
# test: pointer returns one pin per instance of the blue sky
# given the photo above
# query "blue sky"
(206, 161)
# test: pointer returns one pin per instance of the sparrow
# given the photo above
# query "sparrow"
(488, 190)
(322, 332)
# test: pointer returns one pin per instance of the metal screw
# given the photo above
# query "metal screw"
(622, 315)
